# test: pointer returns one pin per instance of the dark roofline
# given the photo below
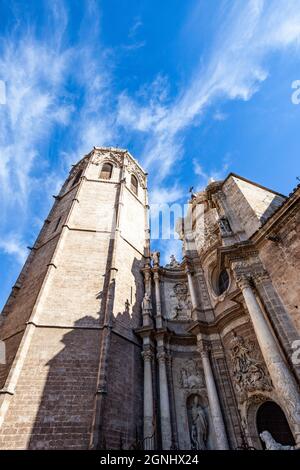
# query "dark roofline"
(252, 182)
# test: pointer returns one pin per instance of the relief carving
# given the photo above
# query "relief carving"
(183, 307)
(191, 376)
(249, 373)
(100, 156)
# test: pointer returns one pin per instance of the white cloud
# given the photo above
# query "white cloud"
(36, 74)
(168, 248)
(32, 108)
(207, 177)
(249, 31)
(166, 195)
(13, 246)
(219, 116)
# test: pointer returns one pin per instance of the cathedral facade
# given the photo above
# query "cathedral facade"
(108, 349)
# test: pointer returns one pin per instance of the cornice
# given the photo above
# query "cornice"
(228, 316)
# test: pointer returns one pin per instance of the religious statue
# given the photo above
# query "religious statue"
(199, 425)
(155, 255)
(146, 303)
(173, 263)
(271, 444)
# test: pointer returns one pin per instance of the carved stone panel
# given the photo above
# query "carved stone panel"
(191, 376)
(249, 372)
(180, 303)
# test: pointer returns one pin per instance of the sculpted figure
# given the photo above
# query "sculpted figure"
(155, 255)
(199, 426)
(146, 303)
(173, 262)
(271, 444)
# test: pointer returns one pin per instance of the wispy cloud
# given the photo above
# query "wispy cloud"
(161, 195)
(51, 89)
(250, 30)
(206, 177)
(39, 101)
(31, 110)
(219, 116)
(12, 245)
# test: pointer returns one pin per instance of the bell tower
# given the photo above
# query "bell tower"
(73, 375)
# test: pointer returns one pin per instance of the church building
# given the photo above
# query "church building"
(106, 348)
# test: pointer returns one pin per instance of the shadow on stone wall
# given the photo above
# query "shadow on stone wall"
(65, 415)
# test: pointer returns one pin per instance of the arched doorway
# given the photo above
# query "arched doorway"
(270, 417)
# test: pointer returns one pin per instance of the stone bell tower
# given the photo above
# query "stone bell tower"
(73, 374)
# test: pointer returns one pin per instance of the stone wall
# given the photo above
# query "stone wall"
(250, 203)
(282, 261)
(54, 389)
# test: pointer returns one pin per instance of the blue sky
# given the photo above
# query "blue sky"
(193, 89)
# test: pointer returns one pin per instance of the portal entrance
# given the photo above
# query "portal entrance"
(270, 417)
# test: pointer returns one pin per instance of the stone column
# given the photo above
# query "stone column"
(165, 417)
(282, 378)
(148, 400)
(158, 301)
(213, 399)
(192, 288)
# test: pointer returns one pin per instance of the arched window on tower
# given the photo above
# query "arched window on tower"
(134, 184)
(106, 171)
(77, 178)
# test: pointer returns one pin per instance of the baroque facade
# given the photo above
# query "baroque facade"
(108, 349)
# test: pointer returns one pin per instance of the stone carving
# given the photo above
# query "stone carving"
(146, 303)
(271, 444)
(133, 168)
(101, 155)
(207, 230)
(191, 376)
(249, 373)
(146, 310)
(183, 307)
(198, 425)
(173, 263)
(155, 256)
